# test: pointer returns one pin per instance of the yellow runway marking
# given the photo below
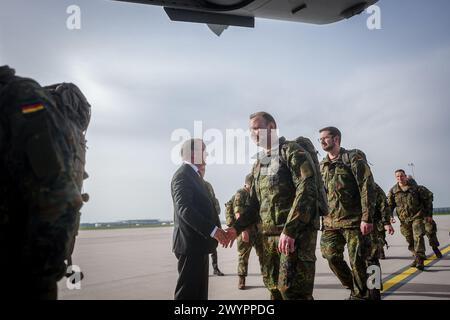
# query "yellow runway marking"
(410, 271)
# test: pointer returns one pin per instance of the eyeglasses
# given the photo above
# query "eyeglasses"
(325, 138)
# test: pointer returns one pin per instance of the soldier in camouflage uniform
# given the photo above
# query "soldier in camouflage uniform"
(431, 233)
(413, 204)
(248, 239)
(350, 190)
(382, 224)
(39, 197)
(430, 227)
(214, 257)
(375, 241)
(284, 198)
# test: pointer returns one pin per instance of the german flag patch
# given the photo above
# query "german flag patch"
(32, 108)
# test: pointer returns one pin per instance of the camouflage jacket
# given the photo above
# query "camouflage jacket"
(382, 215)
(213, 199)
(238, 204)
(284, 193)
(416, 202)
(350, 190)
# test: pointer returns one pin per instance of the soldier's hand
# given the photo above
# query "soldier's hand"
(286, 245)
(221, 236)
(245, 236)
(366, 228)
(429, 219)
(389, 229)
(231, 236)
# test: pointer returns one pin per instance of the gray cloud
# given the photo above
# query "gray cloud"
(146, 77)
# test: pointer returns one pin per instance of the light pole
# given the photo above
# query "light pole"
(412, 168)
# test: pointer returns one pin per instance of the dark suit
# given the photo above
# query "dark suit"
(194, 220)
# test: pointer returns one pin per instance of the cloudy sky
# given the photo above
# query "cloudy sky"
(147, 77)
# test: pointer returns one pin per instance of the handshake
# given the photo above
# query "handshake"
(226, 237)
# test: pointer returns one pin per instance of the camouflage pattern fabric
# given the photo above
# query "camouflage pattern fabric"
(290, 277)
(214, 259)
(245, 248)
(373, 246)
(382, 217)
(414, 231)
(431, 232)
(236, 205)
(41, 198)
(283, 199)
(351, 199)
(430, 227)
(350, 191)
(332, 245)
(413, 203)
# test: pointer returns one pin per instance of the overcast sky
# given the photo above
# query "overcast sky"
(387, 90)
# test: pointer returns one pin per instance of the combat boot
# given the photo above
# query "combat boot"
(437, 252)
(374, 294)
(382, 255)
(419, 263)
(217, 272)
(241, 285)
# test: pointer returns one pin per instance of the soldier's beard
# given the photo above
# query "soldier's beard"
(328, 147)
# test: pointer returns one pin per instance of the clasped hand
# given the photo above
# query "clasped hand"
(226, 237)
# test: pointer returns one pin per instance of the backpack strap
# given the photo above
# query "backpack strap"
(346, 158)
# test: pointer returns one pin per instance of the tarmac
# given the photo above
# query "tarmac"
(138, 264)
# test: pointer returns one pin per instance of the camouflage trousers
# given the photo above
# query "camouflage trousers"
(430, 231)
(214, 259)
(413, 231)
(374, 245)
(332, 246)
(244, 250)
(290, 277)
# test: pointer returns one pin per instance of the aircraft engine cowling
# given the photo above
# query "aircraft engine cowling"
(243, 12)
(224, 5)
(225, 2)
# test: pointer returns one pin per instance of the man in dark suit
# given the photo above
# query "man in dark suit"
(196, 230)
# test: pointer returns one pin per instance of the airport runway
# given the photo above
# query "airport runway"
(139, 264)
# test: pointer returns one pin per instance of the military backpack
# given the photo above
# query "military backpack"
(349, 154)
(307, 146)
(76, 112)
(57, 144)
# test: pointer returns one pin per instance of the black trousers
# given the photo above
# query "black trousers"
(193, 276)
